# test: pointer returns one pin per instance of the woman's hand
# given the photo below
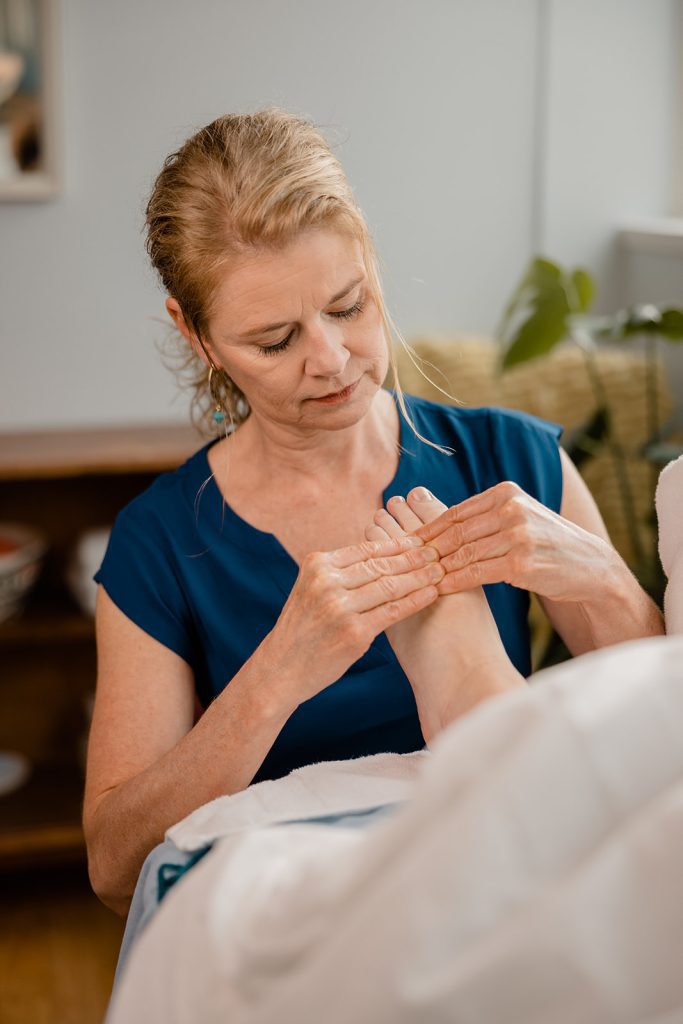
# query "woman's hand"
(340, 602)
(505, 535)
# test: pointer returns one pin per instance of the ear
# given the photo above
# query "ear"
(176, 314)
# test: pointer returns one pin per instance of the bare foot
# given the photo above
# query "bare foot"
(451, 651)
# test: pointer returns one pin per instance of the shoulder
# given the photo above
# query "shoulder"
(168, 498)
(496, 444)
(482, 420)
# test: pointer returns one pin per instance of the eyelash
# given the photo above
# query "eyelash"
(280, 346)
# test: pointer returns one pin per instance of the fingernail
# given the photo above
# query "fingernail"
(431, 555)
(436, 572)
(422, 494)
(413, 542)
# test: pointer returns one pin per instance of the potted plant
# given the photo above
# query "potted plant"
(552, 305)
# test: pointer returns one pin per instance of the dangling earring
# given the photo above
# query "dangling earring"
(219, 411)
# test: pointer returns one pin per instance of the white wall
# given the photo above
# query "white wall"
(474, 132)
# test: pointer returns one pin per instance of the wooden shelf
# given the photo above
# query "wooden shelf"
(85, 451)
(64, 483)
(47, 622)
(41, 821)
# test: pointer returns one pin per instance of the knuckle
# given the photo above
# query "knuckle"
(521, 538)
(388, 587)
(465, 554)
(472, 574)
(314, 561)
(378, 567)
(394, 611)
(509, 489)
(456, 535)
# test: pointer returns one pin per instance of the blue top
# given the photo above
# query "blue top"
(203, 582)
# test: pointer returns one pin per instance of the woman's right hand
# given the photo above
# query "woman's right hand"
(340, 602)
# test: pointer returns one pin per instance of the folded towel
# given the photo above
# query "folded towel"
(327, 788)
(669, 503)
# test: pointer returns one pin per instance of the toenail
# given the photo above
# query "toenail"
(422, 494)
(396, 497)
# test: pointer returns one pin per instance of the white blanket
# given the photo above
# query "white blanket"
(534, 877)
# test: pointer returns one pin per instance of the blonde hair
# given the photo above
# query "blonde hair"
(246, 181)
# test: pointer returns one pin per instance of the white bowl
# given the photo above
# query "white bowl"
(14, 770)
(85, 561)
(20, 565)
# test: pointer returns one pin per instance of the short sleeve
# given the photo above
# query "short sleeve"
(526, 450)
(138, 575)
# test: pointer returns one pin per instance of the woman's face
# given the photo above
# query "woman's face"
(294, 325)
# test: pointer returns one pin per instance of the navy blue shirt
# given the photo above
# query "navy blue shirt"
(203, 582)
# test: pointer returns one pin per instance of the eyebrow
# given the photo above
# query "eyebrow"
(276, 327)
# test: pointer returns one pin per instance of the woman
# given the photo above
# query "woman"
(247, 566)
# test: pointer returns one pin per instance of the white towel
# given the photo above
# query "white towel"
(669, 503)
(331, 787)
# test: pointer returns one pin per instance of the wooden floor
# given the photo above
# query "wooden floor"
(58, 948)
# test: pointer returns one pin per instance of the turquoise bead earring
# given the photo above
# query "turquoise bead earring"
(218, 412)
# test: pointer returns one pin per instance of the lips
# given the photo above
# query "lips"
(331, 393)
(342, 393)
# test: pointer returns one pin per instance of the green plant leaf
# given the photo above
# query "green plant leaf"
(671, 324)
(539, 275)
(584, 289)
(542, 330)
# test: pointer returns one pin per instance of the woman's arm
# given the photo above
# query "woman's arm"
(503, 535)
(620, 609)
(148, 767)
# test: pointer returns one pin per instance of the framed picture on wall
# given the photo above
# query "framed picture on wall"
(29, 100)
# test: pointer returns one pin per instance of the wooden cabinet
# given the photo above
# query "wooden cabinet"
(63, 483)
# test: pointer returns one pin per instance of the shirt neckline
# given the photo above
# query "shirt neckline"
(226, 521)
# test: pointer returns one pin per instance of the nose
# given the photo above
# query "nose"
(326, 355)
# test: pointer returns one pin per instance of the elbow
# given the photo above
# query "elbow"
(106, 882)
(105, 887)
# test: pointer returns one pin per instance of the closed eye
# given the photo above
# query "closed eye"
(340, 314)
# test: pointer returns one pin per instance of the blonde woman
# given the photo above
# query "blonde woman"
(243, 580)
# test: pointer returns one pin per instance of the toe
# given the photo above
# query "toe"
(387, 522)
(401, 511)
(374, 532)
(424, 505)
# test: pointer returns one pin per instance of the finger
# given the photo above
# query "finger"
(388, 589)
(399, 508)
(379, 619)
(373, 569)
(424, 506)
(388, 523)
(478, 574)
(455, 535)
(470, 552)
(371, 549)
(478, 504)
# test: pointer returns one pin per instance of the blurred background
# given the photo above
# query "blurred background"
(475, 133)
(479, 136)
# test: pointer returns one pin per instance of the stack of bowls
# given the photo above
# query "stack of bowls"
(22, 549)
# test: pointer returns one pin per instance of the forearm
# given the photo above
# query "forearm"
(620, 610)
(219, 756)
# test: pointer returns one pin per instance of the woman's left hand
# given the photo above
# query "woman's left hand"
(503, 535)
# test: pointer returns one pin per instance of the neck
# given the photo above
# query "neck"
(311, 460)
